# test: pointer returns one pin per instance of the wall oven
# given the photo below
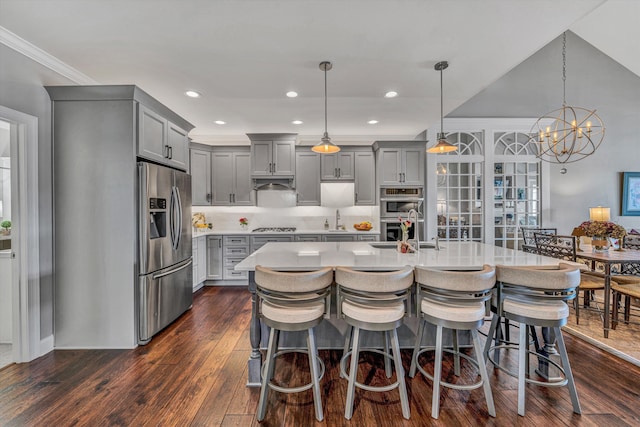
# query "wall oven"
(395, 203)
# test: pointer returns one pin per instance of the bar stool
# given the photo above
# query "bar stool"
(373, 301)
(454, 300)
(537, 297)
(292, 302)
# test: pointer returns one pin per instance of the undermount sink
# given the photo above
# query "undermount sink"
(392, 245)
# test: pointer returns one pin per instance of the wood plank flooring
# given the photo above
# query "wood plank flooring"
(194, 374)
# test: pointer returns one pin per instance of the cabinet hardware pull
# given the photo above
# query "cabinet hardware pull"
(356, 197)
(335, 172)
(220, 243)
(208, 197)
(170, 152)
(274, 167)
(339, 173)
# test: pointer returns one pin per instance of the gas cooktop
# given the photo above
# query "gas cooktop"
(274, 230)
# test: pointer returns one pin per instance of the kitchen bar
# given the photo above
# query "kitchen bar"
(305, 256)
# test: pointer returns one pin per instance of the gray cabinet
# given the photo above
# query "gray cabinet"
(401, 166)
(259, 241)
(339, 238)
(308, 238)
(273, 155)
(365, 178)
(231, 178)
(338, 166)
(214, 257)
(368, 237)
(200, 177)
(235, 249)
(199, 254)
(160, 140)
(307, 182)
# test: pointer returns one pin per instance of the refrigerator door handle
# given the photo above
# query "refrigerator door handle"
(174, 223)
(179, 223)
(173, 270)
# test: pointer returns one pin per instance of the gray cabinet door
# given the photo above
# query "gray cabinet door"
(152, 135)
(214, 257)
(308, 238)
(284, 161)
(222, 178)
(307, 180)
(242, 188)
(178, 146)
(390, 166)
(365, 179)
(202, 259)
(338, 166)
(413, 166)
(261, 158)
(200, 177)
(339, 238)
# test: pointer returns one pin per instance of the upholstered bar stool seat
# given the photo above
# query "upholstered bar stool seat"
(292, 302)
(537, 297)
(454, 300)
(373, 301)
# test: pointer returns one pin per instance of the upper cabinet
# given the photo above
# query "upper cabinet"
(273, 155)
(400, 163)
(307, 182)
(365, 178)
(231, 178)
(161, 140)
(338, 166)
(200, 177)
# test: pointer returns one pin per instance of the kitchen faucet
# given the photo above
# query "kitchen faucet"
(337, 219)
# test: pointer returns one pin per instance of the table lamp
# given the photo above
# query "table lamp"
(599, 214)
(578, 232)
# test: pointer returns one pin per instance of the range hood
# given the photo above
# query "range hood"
(272, 184)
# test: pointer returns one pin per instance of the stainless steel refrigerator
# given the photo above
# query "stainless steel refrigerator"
(165, 280)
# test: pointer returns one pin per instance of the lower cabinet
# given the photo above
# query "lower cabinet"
(308, 238)
(235, 249)
(339, 238)
(368, 237)
(214, 257)
(259, 241)
(199, 262)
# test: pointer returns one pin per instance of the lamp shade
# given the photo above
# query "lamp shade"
(599, 214)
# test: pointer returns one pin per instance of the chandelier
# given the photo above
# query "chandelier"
(569, 133)
(325, 146)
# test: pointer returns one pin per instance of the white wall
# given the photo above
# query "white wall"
(594, 80)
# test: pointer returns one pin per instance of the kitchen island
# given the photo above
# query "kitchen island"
(306, 256)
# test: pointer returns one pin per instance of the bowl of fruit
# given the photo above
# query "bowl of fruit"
(363, 226)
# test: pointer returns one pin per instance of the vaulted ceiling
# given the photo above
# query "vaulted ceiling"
(244, 55)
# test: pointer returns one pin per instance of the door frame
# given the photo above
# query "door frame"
(25, 235)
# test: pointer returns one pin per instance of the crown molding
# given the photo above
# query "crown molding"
(30, 50)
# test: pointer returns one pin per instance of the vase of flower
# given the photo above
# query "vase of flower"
(601, 232)
(244, 223)
(405, 236)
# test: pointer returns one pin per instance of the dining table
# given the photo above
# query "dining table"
(370, 256)
(610, 261)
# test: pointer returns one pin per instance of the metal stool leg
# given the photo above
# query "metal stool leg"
(402, 387)
(567, 370)
(492, 330)
(437, 373)
(482, 367)
(347, 343)
(315, 373)
(387, 360)
(264, 388)
(353, 374)
(456, 354)
(416, 348)
(522, 367)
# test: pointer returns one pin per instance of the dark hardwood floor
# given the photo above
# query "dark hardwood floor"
(194, 373)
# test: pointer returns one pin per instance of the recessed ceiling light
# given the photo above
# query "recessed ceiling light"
(372, 122)
(220, 122)
(292, 94)
(297, 122)
(391, 94)
(192, 94)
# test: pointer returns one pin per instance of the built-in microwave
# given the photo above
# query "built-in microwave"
(397, 202)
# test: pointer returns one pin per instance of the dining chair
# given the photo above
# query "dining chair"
(528, 242)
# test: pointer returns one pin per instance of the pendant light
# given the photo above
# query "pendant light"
(325, 146)
(569, 133)
(443, 146)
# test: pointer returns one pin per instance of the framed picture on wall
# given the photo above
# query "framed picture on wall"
(631, 194)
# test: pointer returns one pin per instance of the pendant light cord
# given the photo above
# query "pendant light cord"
(564, 68)
(441, 106)
(325, 100)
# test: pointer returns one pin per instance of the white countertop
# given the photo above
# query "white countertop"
(277, 233)
(362, 255)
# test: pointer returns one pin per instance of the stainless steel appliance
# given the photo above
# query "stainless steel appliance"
(165, 280)
(396, 203)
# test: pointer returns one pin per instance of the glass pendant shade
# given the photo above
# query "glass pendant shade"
(325, 146)
(443, 146)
